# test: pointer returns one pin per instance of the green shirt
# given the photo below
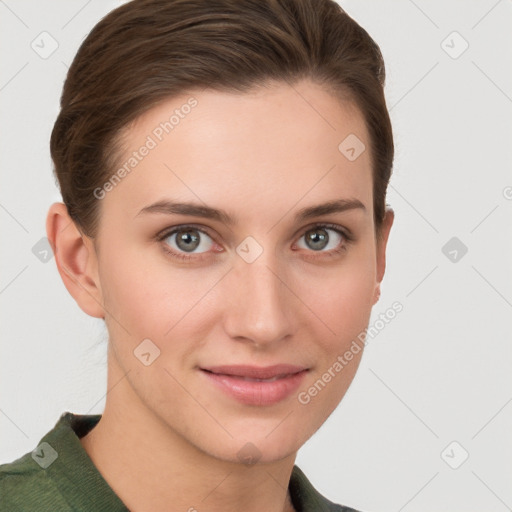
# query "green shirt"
(58, 475)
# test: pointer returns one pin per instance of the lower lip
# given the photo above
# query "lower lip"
(257, 393)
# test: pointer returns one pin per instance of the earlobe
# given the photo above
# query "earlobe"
(76, 260)
(376, 295)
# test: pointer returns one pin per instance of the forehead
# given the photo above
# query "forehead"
(273, 147)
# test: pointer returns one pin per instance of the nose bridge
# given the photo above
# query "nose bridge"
(260, 303)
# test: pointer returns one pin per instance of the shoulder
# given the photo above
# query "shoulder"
(58, 475)
(24, 487)
(306, 498)
(47, 478)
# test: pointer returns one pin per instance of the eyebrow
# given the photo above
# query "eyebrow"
(168, 207)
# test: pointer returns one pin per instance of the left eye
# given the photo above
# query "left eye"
(189, 239)
(319, 238)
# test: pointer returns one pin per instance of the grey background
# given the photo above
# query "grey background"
(438, 373)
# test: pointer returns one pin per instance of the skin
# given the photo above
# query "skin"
(261, 156)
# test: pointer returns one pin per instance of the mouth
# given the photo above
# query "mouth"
(257, 385)
(255, 373)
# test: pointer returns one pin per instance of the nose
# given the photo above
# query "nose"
(260, 307)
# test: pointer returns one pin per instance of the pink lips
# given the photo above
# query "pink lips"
(241, 382)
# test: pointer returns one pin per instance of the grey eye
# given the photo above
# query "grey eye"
(318, 239)
(189, 239)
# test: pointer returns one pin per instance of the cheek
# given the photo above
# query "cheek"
(134, 293)
(345, 299)
(148, 296)
(345, 307)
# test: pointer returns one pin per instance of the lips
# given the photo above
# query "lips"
(257, 386)
(255, 373)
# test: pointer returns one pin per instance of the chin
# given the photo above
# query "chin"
(260, 443)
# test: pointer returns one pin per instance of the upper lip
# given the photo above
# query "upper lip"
(256, 372)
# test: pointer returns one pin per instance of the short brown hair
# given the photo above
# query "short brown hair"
(147, 51)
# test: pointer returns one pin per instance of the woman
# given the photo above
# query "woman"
(223, 167)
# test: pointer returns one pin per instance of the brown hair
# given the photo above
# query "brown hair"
(147, 51)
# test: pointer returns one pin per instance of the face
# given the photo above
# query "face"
(268, 281)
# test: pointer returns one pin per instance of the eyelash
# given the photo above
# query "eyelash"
(347, 240)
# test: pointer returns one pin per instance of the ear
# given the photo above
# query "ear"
(76, 260)
(382, 240)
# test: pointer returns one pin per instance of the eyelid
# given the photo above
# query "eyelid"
(162, 235)
(347, 234)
